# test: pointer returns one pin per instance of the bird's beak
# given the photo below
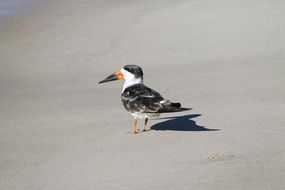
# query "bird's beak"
(115, 76)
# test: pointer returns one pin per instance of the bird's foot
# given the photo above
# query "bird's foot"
(145, 130)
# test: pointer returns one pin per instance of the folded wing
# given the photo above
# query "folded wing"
(142, 99)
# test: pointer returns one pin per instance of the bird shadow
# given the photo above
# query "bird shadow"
(180, 123)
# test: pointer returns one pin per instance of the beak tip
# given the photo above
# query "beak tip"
(112, 77)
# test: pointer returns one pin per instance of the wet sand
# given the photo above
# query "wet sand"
(60, 129)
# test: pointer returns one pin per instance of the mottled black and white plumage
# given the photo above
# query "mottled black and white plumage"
(141, 101)
(139, 98)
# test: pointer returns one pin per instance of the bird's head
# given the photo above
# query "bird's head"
(133, 74)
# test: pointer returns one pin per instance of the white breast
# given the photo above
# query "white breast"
(145, 115)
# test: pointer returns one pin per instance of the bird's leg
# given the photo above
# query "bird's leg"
(145, 124)
(134, 129)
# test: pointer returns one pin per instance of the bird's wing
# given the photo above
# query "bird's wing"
(142, 99)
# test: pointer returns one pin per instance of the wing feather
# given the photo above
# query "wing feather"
(142, 99)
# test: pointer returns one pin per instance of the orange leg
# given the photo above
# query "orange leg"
(145, 124)
(134, 128)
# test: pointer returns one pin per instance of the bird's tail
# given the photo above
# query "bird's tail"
(176, 105)
(172, 107)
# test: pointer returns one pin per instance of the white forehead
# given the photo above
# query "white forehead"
(123, 70)
(126, 73)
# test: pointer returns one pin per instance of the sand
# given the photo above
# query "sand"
(60, 129)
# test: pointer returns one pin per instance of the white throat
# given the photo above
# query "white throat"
(132, 82)
(130, 79)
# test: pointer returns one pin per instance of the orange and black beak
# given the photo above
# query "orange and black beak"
(115, 76)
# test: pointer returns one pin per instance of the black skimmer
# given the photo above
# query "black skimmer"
(141, 101)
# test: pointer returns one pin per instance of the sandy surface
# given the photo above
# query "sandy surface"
(59, 129)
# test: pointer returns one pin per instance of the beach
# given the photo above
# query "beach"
(60, 129)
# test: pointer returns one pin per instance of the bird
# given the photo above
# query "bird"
(138, 99)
